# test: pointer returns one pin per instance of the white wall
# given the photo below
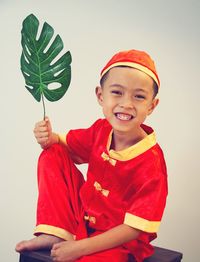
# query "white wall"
(93, 31)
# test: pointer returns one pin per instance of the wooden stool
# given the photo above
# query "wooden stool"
(160, 255)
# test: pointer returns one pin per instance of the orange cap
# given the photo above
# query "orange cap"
(136, 59)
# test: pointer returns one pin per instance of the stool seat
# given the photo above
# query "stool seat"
(160, 255)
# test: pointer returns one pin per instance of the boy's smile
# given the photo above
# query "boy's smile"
(123, 117)
(127, 98)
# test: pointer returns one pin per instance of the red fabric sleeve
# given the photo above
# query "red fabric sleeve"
(81, 141)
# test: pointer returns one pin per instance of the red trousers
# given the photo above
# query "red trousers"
(59, 210)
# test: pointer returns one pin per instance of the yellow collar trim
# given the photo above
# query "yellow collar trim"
(132, 151)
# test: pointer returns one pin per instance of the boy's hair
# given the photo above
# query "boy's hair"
(105, 76)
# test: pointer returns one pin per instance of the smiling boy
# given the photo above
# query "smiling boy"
(118, 209)
(127, 98)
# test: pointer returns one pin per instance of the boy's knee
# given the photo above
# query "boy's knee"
(53, 153)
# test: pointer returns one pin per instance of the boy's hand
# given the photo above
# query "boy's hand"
(66, 251)
(44, 135)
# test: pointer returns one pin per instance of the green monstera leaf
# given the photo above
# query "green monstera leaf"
(39, 65)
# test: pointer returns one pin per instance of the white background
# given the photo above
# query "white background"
(93, 31)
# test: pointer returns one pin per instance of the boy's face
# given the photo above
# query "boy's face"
(127, 98)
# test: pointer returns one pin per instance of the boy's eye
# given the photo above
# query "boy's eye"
(116, 92)
(140, 97)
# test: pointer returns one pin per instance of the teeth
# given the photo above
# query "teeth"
(123, 116)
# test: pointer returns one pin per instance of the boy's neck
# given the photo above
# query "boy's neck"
(121, 141)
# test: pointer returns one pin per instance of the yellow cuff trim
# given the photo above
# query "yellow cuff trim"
(62, 138)
(141, 223)
(134, 65)
(55, 231)
(132, 151)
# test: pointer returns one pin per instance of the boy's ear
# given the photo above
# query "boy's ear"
(98, 92)
(154, 104)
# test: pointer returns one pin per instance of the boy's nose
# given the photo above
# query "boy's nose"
(126, 102)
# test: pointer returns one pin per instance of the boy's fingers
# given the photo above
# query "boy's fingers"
(43, 122)
(46, 120)
(42, 126)
(42, 135)
(40, 129)
(41, 140)
(55, 246)
(53, 254)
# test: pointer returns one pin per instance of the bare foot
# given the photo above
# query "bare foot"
(40, 242)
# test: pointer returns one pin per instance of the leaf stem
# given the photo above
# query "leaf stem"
(43, 106)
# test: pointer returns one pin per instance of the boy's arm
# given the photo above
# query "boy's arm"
(112, 238)
(71, 250)
(46, 137)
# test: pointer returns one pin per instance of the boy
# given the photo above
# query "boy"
(118, 209)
